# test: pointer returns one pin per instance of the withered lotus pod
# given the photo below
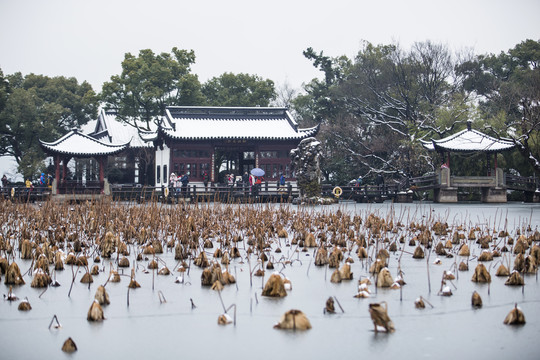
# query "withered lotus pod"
(336, 277)
(321, 258)
(362, 252)
(259, 272)
(41, 279)
(530, 265)
(335, 258)
(464, 250)
(412, 242)
(293, 320)
(71, 259)
(101, 296)
(393, 247)
(485, 256)
(164, 271)
(377, 266)
(379, 316)
(149, 250)
(502, 271)
(472, 235)
(152, 265)
(385, 278)
(521, 246)
(133, 284)
(535, 251)
(123, 262)
(26, 249)
(515, 279)
(481, 275)
(206, 277)
(218, 253)
(235, 253)
(201, 260)
(362, 294)
(448, 275)
(224, 319)
(439, 249)
(58, 262)
(208, 244)
(282, 233)
(227, 278)
(42, 263)
(419, 303)
(463, 266)
(81, 261)
(329, 308)
(217, 285)
(269, 266)
(69, 346)
(3, 265)
(95, 313)
(448, 244)
(310, 241)
(345, 272)
(114, 276)
(515, 317)
(24, 305)
(13, 275)
(225, 260)
(87, 278)
(95, 270)
(274, 287)
(519, 263)
(418, 253)
(97, 259)
(476, 300)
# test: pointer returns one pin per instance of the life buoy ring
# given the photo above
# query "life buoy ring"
(166, 192)
(337, 191)
(12, 192)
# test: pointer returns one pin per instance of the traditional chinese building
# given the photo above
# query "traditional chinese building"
(469, 141)
(225, 140)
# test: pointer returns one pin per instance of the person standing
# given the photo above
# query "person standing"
(4, 181)
(205, 180)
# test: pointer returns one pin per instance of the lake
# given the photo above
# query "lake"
(150, 328)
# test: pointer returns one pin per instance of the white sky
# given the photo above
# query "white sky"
(87, 39)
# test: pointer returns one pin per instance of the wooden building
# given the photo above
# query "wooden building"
(225, 140)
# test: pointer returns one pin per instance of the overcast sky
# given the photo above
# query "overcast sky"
(88, 39)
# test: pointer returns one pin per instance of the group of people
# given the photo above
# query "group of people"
(45, 180)
(179, 183)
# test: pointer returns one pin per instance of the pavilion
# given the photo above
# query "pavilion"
(75, 144)
(470, 141)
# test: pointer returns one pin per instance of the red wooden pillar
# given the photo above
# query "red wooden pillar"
(64, 169)
(57, 169)
(101, 169)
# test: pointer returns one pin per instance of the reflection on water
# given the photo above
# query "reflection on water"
(148, 328)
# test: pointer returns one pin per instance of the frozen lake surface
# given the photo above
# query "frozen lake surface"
(148, 328)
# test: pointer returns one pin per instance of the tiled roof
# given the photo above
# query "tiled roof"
(109, 129)
(79, 144)
(256, 123)
(469, 140)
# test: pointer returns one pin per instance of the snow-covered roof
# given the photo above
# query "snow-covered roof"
(469, 140)
(78, 144)
(109, 129)
(254, 123)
